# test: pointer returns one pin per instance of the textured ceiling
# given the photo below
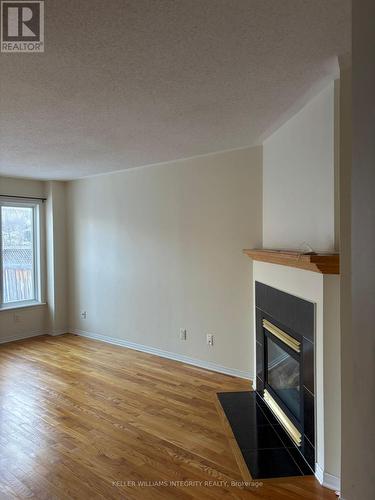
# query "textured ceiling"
(125, 83)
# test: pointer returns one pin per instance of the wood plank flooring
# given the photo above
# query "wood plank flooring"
(83, 419)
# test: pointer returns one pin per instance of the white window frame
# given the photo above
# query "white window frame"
(38, 238)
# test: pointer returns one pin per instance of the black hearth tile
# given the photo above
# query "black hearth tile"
(284, 436)
(300, 461)
(260, 385)
(241, 399)
(260, 401)
(308, 365)
(282, 326)
(256, 437)
(308, 451)
(259, 360)
(247, 416)
(260, 295)
(271, 419)
(295, 313)
(270, 463)
(264, 451)
(259, 325)
(241, 409)
(308, 410)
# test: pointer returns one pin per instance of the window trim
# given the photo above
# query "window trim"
(38, 253)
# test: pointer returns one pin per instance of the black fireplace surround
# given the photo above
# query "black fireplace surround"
(287, 375)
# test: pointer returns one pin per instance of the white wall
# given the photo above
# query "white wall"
(332, 380)
(350, 461)
(156, 249)
(299, 178)
(27, 321)
(56, 257)
(358, 233)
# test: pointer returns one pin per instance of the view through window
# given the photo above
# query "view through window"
(18, 253)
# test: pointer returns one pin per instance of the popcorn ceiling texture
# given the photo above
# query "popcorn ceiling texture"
(126, 83)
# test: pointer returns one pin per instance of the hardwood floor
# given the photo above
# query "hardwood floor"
(83, 419)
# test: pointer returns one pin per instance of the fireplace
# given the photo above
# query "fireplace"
(283, 375)
(285, 363)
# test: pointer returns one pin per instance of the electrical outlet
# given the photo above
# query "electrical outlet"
(16, 318)
(210, 339)
(83, 314)
(183, 334)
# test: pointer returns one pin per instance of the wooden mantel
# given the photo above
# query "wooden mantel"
(319, 263)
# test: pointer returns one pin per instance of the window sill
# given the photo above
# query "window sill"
(13, 307)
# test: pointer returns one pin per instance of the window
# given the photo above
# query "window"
(20, 267)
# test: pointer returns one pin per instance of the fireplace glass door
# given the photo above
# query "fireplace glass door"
(283, 375)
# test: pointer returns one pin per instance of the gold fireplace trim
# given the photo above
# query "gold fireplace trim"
(284, 337)
(291, 429)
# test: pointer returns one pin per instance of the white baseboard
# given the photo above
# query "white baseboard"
(331, 482)
(327, 480)
(208, 365)
(319, 474)
(55, 333)
(22, 336)
(29, 335)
